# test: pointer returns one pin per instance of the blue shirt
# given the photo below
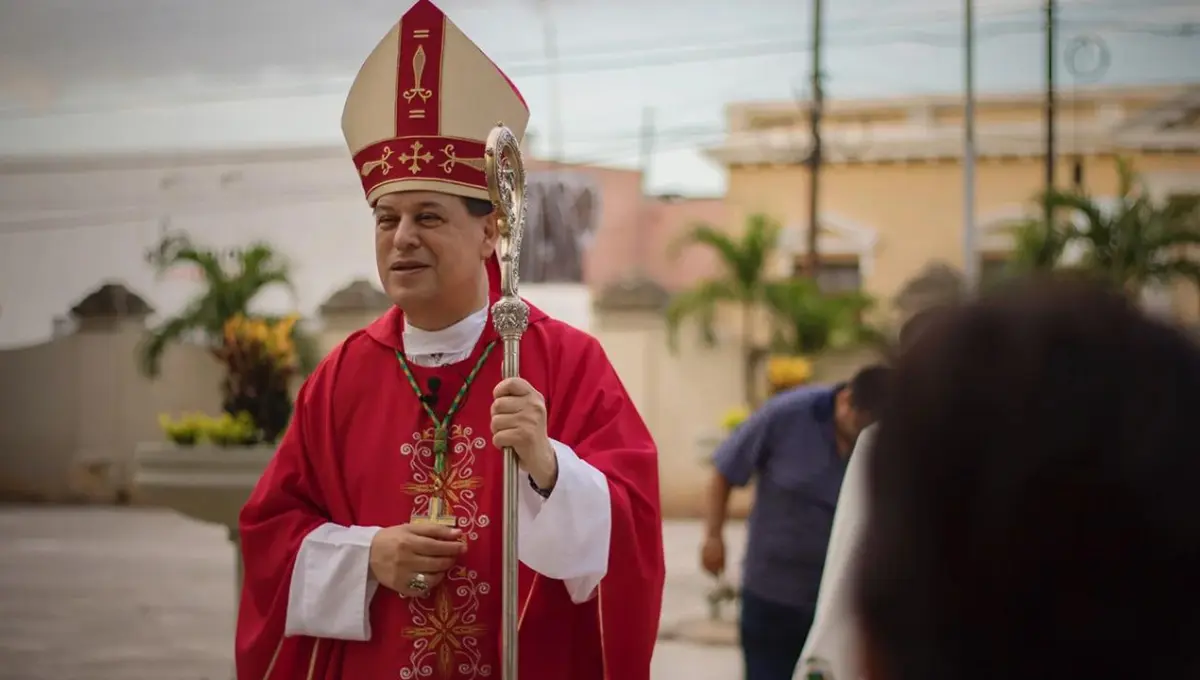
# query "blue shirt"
(789, 446)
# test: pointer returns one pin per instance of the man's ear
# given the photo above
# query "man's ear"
(491, 236)
(845, 397)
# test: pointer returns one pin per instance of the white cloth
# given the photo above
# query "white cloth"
(834, 644)
(564, 537)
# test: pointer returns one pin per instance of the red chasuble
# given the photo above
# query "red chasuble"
(359, 452)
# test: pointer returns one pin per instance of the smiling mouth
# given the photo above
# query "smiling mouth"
(408, 267)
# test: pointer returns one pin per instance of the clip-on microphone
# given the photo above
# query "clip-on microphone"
(430, 398)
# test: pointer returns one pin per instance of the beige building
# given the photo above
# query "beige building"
(891, 198)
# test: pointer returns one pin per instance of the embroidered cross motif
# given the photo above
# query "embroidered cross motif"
(415, 158)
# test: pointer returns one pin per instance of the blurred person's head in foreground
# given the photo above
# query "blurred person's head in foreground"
(1034, 500)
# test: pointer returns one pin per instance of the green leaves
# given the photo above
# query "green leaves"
(230, 286)
(810, 321)
(745, 258)
(1135, 242)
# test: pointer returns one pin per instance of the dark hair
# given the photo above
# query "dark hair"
(1034, 495)
(477, 207)
(869, 389)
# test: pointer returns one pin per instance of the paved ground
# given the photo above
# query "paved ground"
(132, 594)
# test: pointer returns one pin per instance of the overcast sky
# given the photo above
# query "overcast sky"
(127, 75)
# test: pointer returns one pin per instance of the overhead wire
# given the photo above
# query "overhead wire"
(878, 35)
(690, 135)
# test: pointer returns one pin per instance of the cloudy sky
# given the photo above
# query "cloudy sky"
(126, 75)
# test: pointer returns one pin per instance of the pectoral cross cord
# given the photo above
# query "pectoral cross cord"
(442, 425)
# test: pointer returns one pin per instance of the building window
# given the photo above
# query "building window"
(836, 273)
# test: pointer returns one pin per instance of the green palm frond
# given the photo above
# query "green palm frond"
(170, 332)
(1135, 242)
(815, 321)
(745, 257)
(1038, 246)
(228, 291)
(699, 303)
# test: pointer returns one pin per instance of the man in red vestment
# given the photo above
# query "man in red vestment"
(372, 544)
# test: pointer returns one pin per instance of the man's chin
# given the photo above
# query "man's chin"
(404, 296)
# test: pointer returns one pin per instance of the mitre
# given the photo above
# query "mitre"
(419, 112)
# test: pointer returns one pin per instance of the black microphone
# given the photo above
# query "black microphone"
(430, 398)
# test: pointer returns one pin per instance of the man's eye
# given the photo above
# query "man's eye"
(386, 222)
(428, 218)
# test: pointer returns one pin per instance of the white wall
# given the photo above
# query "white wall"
(69, 224)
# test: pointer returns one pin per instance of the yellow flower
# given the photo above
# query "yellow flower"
(734, 417)
(788, 371)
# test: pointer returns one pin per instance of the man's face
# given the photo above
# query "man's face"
(428, 247)
(850, 422)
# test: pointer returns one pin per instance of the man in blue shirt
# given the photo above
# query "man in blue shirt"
(795, 448)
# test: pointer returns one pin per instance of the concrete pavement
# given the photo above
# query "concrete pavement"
(91, 593)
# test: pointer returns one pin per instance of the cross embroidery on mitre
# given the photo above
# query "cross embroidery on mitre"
(415, 159)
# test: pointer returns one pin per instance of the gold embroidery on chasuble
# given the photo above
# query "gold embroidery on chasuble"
(445, 627)
(458, 484)
(446, 630)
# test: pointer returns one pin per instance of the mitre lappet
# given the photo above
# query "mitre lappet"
(420, 110)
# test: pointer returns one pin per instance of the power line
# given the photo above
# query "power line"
(789, 47)
(679, 55)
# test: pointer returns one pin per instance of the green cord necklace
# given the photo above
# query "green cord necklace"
(441, 436)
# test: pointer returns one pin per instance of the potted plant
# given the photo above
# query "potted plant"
(260, 359)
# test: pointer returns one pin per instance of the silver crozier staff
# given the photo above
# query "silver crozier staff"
(506, 187)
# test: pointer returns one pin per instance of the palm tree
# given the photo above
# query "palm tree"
(745, 260)
(1132, 244)
(228, 292)
(810, 321)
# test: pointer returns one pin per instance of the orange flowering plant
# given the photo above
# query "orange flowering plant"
(786, 372)
(260, 358)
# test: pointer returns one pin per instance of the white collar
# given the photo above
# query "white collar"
(454, 339)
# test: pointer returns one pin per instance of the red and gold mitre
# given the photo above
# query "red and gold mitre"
(420, 110)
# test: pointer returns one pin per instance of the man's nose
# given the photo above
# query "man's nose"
(405, 235)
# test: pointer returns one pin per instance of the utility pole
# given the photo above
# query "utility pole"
(812, 263)
(550, 40)
(645, 163)
(646, 145)
(1051, 57)
(970, 247)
